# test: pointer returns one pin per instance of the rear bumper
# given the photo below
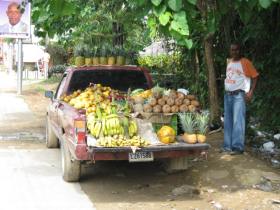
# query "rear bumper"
(83, 152)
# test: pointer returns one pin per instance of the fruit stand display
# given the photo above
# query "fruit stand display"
(111, 115)
(109, 121)
(161, 107)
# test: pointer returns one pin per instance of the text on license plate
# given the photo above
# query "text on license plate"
(140, 157)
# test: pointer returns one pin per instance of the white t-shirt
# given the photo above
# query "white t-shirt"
(235, 77)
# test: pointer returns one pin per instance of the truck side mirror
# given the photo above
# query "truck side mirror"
(49, 94)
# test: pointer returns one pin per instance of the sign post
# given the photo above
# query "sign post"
(19, 67)
(15, 23)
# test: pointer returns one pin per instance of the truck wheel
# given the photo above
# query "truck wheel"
(176, 164)
(51, 139)
(71, 169)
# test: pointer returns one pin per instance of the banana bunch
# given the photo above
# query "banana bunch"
(132, 128)
(121, 141)
(106, 126)
(112, 125)
(95, 128)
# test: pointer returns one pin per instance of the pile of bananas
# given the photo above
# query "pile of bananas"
(122, 141)
(107, 126)
(132, 128)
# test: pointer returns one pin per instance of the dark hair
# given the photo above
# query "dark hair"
(236, 43)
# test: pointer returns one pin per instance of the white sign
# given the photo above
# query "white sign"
(15, 19)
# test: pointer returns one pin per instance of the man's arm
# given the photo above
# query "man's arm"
(249, 95)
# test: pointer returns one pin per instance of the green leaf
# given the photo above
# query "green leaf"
(175, 5)
(176, 35)
(42, 18)
(180, 23)
(189, 43)
(192, 2)
(244, 14)
(152, 26)
(156, 2)
(185, 42)
(151, 22)
(164, 18)
(56, 6)
(265, 3)
(140, 2)
(68, 9)
(159, 10)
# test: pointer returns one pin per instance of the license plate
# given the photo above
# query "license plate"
(140, 157)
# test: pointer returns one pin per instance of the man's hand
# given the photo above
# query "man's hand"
(249, 96)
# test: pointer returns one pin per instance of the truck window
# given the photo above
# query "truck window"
(116, 79)
(59, 89)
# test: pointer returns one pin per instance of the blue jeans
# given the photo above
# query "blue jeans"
(234, 122)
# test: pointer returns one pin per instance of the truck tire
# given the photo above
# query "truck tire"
(176, 164)
(51, 139)
(71, 169)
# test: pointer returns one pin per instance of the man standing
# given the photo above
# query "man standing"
(15, 25)
(238, 90)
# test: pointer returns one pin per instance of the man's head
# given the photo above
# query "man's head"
(235, 51)
(13, 13)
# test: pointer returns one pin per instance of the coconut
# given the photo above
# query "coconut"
(195, 103)
(192, 108)
(157, 108)
(148, 108)
(170, 101)
(174, 109)
(183, 108)
(165, 97)
(191, 97)
(178, 101)
(161, 101)
(173, 94)
(166, 109)
(187, 101)
(153, 101)
(180, 95)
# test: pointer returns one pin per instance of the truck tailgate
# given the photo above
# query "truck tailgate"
(161, 151)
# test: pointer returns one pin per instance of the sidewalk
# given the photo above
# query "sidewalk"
(15, 115)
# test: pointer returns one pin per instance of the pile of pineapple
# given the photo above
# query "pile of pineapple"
(195, 127)
(165, 101)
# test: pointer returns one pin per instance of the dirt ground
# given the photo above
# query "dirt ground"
(220, 182)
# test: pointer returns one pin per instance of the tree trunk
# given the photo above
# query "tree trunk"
(212, 85)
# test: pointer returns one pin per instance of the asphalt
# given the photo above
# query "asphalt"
(30, 177)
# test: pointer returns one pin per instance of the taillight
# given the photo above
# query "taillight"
(80, 131)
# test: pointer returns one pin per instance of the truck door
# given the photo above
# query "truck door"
(57, 105)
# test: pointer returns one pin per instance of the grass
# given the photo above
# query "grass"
(48, 84)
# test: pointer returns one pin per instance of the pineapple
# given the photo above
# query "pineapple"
(202, 125)
(157, 91)
(188, 125)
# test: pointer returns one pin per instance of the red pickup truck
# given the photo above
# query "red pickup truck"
(66, 126)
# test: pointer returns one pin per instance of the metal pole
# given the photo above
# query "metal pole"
(19, 67)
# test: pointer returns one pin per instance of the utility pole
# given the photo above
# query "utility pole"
(19, 67)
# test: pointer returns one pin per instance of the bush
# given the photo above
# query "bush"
(57, 70)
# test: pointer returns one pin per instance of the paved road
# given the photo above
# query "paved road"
(30, 178)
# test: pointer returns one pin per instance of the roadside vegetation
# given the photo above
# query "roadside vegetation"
(201, 32)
